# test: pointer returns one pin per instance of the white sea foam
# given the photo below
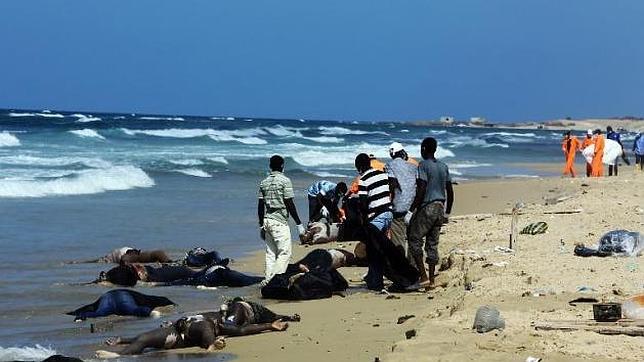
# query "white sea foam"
(194, 172)
(18, 174)
(437, 132)
(462, 141)
(404, 131)
(329, 174)
(521, 176)
(282, 131)
(81, 183)
(43, 114)
(53, 161)
(313, 156)
(87, 133)
(341, 131)
(188, 162)
(88, 119)
(218, 159)
(8, 140)
(245, 136)
(509, 134)
(36, 353)
(148, 118)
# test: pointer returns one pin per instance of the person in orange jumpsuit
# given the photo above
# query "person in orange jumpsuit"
(598, 166)
(585, 143)
(569, 147)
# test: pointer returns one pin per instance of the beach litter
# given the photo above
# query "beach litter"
(503, 249)
(585, 289)
(405, 318)
(488, 318)
(633, 307)
(410, 334)
(607, 312)
(614, 243)
(535, 228)
(533, 359)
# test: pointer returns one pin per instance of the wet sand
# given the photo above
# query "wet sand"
(363, 325)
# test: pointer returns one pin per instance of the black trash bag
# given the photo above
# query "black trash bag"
(200, 257)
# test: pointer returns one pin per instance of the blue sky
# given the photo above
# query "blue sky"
(360, 59)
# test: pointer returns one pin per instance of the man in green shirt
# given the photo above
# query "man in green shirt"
(274, 206)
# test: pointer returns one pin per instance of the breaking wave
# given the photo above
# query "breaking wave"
(44, 114)
(53, 161)
(291, 132)
(87, 133)
(8, 140)
(36, 353)
(148, 118)
(84, 182)
(341, 131)
(218, 159)
(194, 172)
(189, 162)
(245, 136)
(463, 141)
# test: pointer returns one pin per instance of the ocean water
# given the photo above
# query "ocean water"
(75, 186)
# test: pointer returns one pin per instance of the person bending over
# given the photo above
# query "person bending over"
(325, 195)
(431, 208)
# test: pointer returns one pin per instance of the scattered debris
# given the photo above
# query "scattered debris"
(503, 249)
(535, 228)
(410, 334)
(607, 312)
(405, 318)
(391, 296)
(626, 327)
(488, 318)
(574, 302)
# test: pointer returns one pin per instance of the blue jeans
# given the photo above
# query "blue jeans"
(383, 221)
(118, 302)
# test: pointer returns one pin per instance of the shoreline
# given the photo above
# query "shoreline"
(364, 324)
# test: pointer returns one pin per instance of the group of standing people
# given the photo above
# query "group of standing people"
(401, 204)
(570, 145)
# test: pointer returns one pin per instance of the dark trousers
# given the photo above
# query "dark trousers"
(118, 302)
(221, 277)
(387, 260)
(315, 207)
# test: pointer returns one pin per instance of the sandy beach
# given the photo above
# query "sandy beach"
(363, 325)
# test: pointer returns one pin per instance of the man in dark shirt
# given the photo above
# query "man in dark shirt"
(431, 208)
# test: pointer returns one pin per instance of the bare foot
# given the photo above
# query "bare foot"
(219, 343)
(279, 325)
(101, 354)
(113, 341)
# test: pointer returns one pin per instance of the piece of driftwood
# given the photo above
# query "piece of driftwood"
(626, 327)
(471, 216)
(514, 225)
(563, 212)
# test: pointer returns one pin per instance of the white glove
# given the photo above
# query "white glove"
(408, 216)
(300, 229)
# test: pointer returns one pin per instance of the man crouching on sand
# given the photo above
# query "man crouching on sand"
(431, 208)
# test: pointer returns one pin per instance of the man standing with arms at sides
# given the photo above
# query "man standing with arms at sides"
(569, 147)
(273, 208)
(598, 156)
(587, 142)
(402, 186)
(615, 136)
(431, 208)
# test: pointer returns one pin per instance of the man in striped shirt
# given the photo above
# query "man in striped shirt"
(376, 210)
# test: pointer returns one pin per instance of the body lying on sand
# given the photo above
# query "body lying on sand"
(206, 330)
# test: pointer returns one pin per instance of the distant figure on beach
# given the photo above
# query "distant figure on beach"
(569, 146)
(598, 155)
(236, 318)
(615, 136)
(431, 208)
(123, 302)
(325, 195)
(587, 142)
(402, 186)
(638, 150)
(274, 206)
